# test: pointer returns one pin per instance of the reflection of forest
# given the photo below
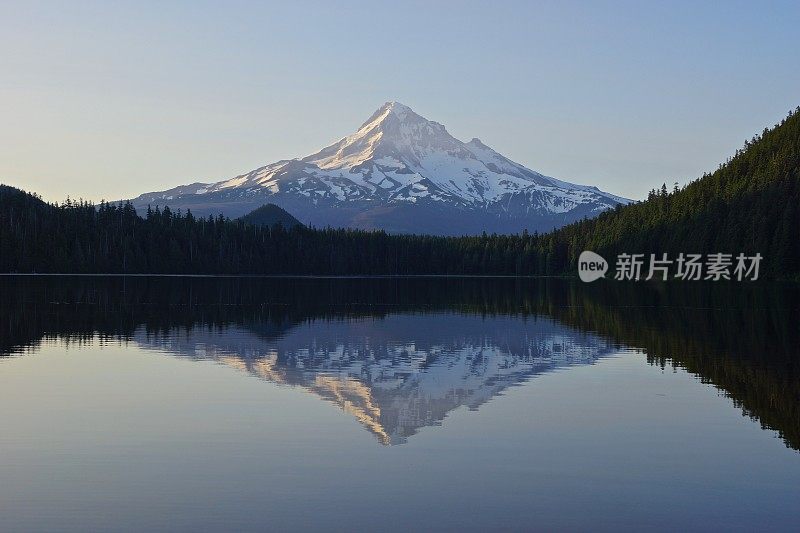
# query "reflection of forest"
(743, 338)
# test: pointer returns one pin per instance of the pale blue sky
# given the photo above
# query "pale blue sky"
(111, 99)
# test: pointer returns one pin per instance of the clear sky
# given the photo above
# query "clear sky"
(112, 99)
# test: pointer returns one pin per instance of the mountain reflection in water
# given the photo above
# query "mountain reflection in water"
(400, 354)
(398, 373)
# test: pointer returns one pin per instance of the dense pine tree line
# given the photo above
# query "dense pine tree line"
(750, 204)
(79, 237)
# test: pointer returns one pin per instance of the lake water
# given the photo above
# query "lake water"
(198, 404)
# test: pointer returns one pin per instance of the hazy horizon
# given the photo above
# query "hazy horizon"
(110, 102)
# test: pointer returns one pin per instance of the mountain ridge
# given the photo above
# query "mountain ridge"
(403, 173)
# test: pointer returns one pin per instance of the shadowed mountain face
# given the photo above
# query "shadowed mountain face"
(402, 173)
(400, 354)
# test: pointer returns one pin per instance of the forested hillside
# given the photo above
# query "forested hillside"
(750, 204)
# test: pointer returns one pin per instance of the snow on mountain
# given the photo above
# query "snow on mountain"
(403, 173)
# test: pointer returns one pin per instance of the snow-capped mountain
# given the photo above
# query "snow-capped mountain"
(403, 173)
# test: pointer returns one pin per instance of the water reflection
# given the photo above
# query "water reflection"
(399, 373)
(399, 355)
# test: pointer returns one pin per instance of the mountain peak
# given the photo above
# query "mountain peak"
(396, 107)
(390, 112)
(394, 164)
(395, 131)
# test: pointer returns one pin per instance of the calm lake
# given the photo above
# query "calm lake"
(198, 404)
